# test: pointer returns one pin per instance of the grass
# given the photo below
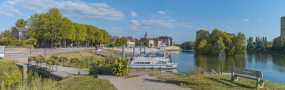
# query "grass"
(77, 54)
(131, 76)
(7, 66)
(69, 83)
(216, 82)
(84, 83)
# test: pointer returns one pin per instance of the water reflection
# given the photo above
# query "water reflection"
(271, 64)
(156, 70)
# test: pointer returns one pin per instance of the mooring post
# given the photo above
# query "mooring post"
(57, 67)
(144, 50)
(134, 53)
(51, 67)
(123, 52)
(140, 50)
(69, 63)
(81, 64)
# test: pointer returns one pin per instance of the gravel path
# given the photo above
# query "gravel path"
(143, 82)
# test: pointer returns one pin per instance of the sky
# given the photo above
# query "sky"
(179, 19)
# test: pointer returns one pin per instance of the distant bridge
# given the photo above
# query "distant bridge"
(186, 47)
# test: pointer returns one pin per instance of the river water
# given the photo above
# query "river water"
(271, 64)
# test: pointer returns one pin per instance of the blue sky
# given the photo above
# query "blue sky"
(179, 19)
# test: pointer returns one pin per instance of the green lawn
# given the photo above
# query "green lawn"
(84, 83)
(216, 82)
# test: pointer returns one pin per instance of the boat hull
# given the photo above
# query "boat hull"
(153, 66)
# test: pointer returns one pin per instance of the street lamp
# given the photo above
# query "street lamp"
(30, 46)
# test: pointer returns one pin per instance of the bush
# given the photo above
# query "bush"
(74, 60)
(118, 67)
(54, 57)
(63, 59)
(32, 58)
(40, 60)
(50, 61)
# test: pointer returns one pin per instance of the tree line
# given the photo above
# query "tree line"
(52, 26)
(260, 43)
(217, 41)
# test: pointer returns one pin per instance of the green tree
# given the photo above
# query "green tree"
(6, 34)
(200, 35)
(120, 42)
(218, 47)
(71, 30)
(201, 46)
(21, 23)
(277, 44)
(261, 44)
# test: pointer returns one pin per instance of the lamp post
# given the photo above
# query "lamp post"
(30, 46)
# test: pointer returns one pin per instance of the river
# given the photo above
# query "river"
(271, 64)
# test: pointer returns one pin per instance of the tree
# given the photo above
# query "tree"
(21, 23)
(55, 31)
(250, 43)
(218, 47)
(71, 30)
(277, 44)
(150, 45)
(201, 46)
(200, 35)
(6, 34)
(261, 44)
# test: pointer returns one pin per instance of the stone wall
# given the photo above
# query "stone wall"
(171, 48)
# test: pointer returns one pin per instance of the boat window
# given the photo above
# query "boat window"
(147, 62)
(136, 63)
(152, 62)
(141, 62)
(159, 62)
(164, 62)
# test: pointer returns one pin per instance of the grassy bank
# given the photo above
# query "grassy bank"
(69, 83)
(77, 54)
(215, 82)
(174, 50)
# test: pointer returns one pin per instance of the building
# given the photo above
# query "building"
(157, 42)
(113, 39)
(168, 41)
(19, 33)
(130, 41)
(145, 40)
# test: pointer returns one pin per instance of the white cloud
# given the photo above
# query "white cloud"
(9, 2)
(184, 25)
(170, 34)
(133, 14)
(152, 15)
(146, 24)
(134, 22)
(174, 35)
(74, 8)
(171, 20)
(201, 29)
(104, 5)
(169, 11)
(165, 17)
(160, 12)
(246, 20)
(227, 27)
(117, 32)
(259, 19)
(156, 23)
(211, 27)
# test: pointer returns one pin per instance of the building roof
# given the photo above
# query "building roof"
(20, 29)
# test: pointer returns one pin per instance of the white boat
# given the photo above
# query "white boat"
(152, 63)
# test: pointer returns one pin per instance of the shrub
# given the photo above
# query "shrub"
(32, 58)
(118, 67)
(63, 59)
(54, 57)
(74, 60)
(50, 61)
(40, 60)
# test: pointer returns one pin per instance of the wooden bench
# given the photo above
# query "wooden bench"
(236, 72)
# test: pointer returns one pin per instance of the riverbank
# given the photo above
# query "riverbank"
(214, 82)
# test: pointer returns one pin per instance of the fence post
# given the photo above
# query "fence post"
(140, 51)
(57, 67)
(134, 53)
(123, 52)
(81, 64)
(51, 67)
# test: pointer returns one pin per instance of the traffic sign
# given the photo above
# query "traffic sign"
(222, 56)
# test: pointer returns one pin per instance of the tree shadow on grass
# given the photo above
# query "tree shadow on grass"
(226, 82)
(177, 82)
